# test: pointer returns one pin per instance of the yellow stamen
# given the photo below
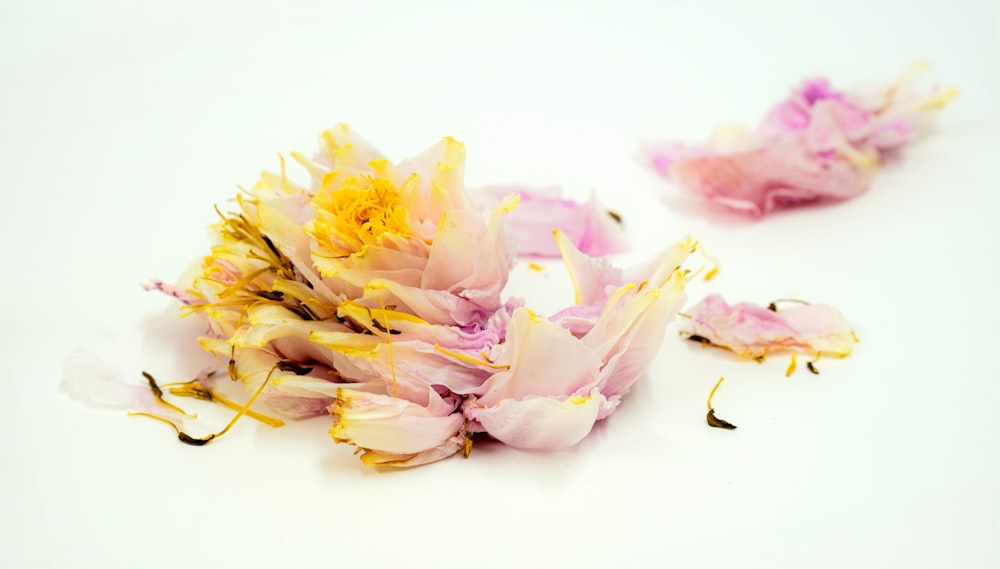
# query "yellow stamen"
(940, 100)
(158, 395)
(284, 175)
(791, 366)
(569, 266)
(358, 212)
(469, 359)
(388, 339)
(712, 393)
(196, 390)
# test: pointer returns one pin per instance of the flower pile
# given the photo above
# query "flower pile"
(820, 143)
(374, 293)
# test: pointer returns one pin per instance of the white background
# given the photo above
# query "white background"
(122, 123)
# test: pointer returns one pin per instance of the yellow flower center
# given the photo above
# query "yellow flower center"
(357, 213)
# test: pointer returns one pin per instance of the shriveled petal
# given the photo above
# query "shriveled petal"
(630, 332)
(545, 360)
(819, 143)
(596, 278)
(441, 451)
(388, 425)
(752, 331)
(822, 326)
(589, 225)
(470, 257)
(342, 147)
(434, 306)
(540, 423)
(760, 181)
(441, 170)
(89, 380)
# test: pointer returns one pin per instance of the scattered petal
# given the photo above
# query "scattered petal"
(819, 144)
(751, 331)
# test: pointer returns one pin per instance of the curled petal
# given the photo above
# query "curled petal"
(758, 182)
(540, 423)
(590, 226)
(470, 257)
(818, 144)
(545, 360)
(388, 426)
(752, 331)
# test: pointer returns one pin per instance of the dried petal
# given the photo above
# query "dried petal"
(753, 331)
(820, 143)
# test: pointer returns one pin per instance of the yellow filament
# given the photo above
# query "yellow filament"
(469, 359)
(712, 393)
(388, 339)
(940, 100)
(791, 367)
(569, 266)
(246, 406)
(189, 390)
(284, 176)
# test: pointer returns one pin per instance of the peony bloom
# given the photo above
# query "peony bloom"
(373, 293)
(820, 143)
(751, 331)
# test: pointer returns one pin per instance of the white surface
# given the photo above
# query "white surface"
(121, 124)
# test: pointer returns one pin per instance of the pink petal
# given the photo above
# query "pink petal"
(752, 331)
(761, 181)
(539, 423)
(545, 360)
(387, 425)
(589, 225)
(819, 143)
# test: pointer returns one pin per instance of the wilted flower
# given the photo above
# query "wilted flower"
(374, 294)
(820, 143)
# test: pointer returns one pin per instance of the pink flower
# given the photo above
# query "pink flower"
(374, 293)
(820, 143)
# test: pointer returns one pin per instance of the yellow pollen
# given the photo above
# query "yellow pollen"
(360, 212)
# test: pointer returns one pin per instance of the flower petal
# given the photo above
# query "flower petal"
(752, 331)
(540, 423)
(387, 425)
(590, 226)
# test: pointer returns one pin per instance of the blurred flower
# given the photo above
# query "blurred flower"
(820, 143)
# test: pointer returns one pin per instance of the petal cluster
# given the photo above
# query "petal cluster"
(819, 143)
(374, 293)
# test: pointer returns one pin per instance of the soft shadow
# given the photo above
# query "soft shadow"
(175, 339)
(719, 215)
